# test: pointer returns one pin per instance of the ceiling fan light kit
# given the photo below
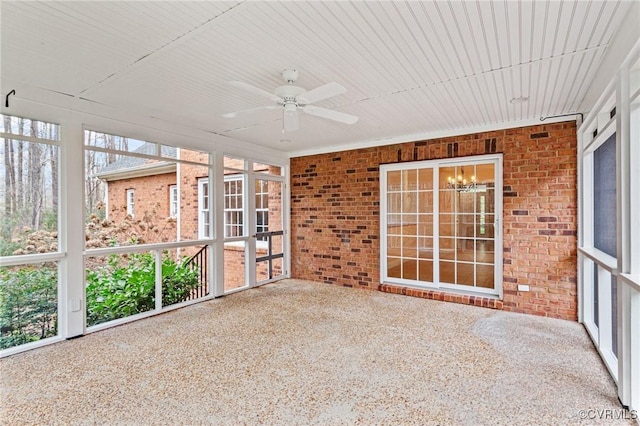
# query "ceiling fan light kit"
(292, 98)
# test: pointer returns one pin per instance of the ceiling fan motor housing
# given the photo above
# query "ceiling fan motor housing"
(289, 93)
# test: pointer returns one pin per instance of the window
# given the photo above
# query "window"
(131, 202)
(233, 206)
(204, 218)
(604, 188)
(173, 200)
(262, 207)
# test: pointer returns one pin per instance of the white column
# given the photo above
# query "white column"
(633, 338)
(158, 284)
(286, 220)
(72, 300)
(217, 205)
(249, 197)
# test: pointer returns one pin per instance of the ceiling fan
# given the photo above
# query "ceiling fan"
(292, 99)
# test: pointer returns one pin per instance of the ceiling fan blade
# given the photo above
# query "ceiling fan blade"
(247, 111)
(323, 92)
(291, 120)
(255, 90)
(330, 114)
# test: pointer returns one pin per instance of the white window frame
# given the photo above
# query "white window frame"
(173, 201)
(131, 201)
(241, 226)
(204, 206)
(264, 199)
(496, 159)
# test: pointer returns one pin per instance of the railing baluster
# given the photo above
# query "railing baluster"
(200, 275)
(199, 261)
(269, 253)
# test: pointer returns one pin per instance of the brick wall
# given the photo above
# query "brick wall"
(151, 196)
(335, 215)
(189, 176)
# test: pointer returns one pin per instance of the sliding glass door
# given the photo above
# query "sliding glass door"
(439, 221)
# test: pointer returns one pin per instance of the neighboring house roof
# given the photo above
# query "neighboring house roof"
(128, 166)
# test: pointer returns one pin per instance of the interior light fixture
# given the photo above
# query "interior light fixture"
(461, 183)
(290, 108)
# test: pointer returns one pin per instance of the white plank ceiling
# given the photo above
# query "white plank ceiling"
(410, 68)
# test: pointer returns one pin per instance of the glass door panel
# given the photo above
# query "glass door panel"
(425, 202)
(469, 219)
(425, 271)
(409, 215)
(425, 179)
(394, 181)
(465, 273)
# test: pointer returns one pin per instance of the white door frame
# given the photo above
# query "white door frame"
(496, 160)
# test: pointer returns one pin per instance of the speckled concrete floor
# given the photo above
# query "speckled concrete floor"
(296, 352)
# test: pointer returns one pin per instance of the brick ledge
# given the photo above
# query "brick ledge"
(464, 299)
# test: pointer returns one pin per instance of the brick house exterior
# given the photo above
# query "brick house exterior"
(156, 195)
(151, 180)
(335, 216)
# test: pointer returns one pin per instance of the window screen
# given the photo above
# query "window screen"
(604, 192)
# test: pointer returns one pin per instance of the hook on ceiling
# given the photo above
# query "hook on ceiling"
(6, 99)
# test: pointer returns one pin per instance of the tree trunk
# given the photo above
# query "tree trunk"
(22, 198)
(110, 144)
(19, 189)
(10, 176)
(53, 158)
(6, 223)
(54, 177)
(36, 182)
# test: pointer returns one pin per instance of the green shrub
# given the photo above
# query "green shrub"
(28, 304)
(178, 281)
(126, 286)
(8, 247)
